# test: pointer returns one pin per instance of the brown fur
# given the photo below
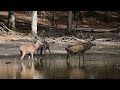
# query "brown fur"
(29, 49)
(79, 49)
(44, 47)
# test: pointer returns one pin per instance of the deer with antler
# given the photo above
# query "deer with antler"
(43, 47)
(80, 48)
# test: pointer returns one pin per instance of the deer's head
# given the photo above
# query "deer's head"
(88, 38)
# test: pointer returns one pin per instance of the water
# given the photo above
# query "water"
(55, 67)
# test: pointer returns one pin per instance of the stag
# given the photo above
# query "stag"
(79, 49)
(45, 46)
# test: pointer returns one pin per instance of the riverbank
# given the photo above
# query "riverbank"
(9, 46)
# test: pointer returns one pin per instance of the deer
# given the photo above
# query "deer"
(80, 49)
(29, 49)
(45, 46)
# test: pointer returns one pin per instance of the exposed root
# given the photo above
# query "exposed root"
(6, 31)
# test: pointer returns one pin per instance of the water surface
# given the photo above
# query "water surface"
(55, 67)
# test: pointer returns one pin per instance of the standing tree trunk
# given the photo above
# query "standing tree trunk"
(53, 18)
(11, 20)
(69, 26)
(80, 15)
(34, 22)
(107, 16)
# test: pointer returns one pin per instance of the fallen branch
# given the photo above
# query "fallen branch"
(65, 39)
(5, 27)
(5, 30)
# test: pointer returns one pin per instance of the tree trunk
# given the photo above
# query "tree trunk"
(80, 16)
(34, 22)
(53, 19)
(69, 26)
(11, 20)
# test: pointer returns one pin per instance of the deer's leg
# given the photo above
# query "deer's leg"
(44, 51)
(41, 52)
(79, 59)
(32, 55)
(23, 54)
(68, 55)
(49, 51)
(83, 60)
(29, 56)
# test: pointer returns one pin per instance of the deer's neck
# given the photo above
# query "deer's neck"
(87, 46)
(36, 45)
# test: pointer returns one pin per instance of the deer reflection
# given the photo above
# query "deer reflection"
(76, 73)
(29, 71)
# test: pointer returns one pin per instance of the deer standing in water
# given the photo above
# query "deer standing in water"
(79, 49)
(43, 47)
(29, 49)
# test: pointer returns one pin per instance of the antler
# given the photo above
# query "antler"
(37, 37)
(88, 36)
(91, 37)
(82, 34)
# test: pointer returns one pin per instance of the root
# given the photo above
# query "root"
(6, 31)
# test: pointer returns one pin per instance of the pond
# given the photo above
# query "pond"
(54, 67)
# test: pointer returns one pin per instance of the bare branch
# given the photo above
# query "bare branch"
(91, 37)
(82, 35)
(4, 26)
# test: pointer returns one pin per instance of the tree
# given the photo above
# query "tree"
(53, 18)
(11, 20)
(34, 22)
(69, 26)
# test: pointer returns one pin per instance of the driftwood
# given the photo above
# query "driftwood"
(5, 30)
(65, 39)
(85, 29)
(4, 27)
(97, 30)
